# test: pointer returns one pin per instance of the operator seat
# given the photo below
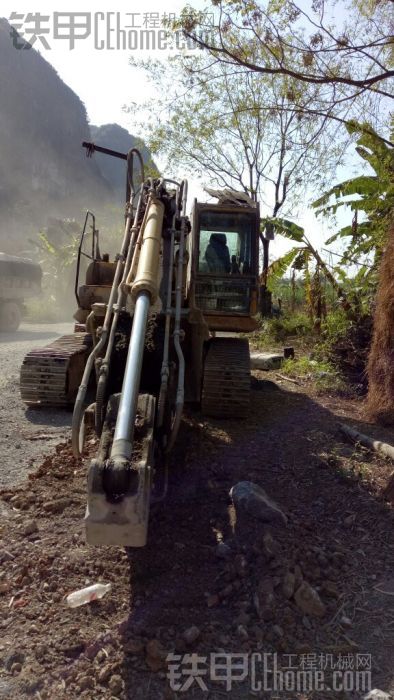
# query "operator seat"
(217, 254)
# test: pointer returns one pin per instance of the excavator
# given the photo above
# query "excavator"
(155, 329)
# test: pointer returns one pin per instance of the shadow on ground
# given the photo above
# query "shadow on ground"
(291, 447)
(49, 417)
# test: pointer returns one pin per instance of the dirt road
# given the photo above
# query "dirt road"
(26, 435)
(316, 592)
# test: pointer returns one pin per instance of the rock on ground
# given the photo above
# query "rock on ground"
(251, 500)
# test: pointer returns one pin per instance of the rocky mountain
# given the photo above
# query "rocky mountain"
(43, 169)
(44, 172)
(112, 169)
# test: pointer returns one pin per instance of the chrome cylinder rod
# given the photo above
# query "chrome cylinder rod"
(122, 445)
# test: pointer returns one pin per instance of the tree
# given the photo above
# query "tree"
(372, 196)
(348, 56)
(57, 250)
(299, 257)
(373, 238)
(215, 123)
(231, 128)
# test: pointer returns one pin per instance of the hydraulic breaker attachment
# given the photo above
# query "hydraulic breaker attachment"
(119, 490)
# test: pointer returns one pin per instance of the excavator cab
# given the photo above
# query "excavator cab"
(221, 296)
(224, 264)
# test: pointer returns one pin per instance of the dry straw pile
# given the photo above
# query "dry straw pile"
(380, 403)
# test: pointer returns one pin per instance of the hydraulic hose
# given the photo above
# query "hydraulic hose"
(180, 397)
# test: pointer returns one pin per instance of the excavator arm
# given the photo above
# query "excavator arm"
(130, 420)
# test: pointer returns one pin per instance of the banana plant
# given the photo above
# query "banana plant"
(371, 194)
(296, 233)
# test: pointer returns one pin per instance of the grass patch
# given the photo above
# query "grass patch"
(333, 360)
(325, 377)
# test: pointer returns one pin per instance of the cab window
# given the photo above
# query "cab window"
(225, 243)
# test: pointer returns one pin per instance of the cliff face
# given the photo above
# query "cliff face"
(44, 172)
(43, 169)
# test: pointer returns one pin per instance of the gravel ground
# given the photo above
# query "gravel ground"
(182, 595)
(26, 434)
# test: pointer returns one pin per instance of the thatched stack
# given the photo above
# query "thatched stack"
(380, 404)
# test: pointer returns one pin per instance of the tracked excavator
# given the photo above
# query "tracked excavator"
(155, 329)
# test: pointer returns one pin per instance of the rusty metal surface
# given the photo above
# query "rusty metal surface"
(90, 294)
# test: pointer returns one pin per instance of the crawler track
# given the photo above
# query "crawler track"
(51, 375)
(226, 384)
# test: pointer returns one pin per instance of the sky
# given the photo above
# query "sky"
(101, 77)
(97, 67)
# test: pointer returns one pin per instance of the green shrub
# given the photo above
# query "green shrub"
(345, 344)
(283, 327)
(325, 377)
(335, 326)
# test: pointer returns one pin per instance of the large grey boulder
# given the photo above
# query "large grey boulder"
(266, 360)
